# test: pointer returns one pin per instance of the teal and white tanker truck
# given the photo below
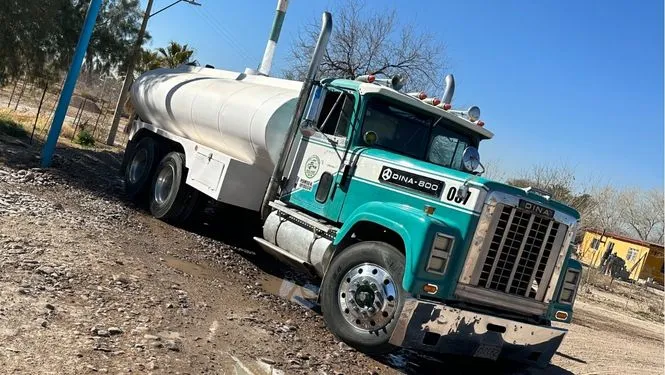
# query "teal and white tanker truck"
(377, 192)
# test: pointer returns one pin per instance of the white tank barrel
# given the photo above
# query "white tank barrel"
(245, 117)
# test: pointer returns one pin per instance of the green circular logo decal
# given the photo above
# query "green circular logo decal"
(312, 166)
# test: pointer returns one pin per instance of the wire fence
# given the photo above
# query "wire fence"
(641, 299)
(90, 110)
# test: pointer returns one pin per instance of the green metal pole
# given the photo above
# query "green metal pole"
(269, 53)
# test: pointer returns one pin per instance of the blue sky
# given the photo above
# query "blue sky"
(578, 83)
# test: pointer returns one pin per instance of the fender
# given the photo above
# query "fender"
(555, 305)
(414, 227)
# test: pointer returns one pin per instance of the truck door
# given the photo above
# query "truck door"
(318, 159)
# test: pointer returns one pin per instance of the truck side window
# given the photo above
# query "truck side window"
(336, 114)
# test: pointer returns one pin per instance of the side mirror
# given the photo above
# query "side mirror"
(470, 159)
(308, 125)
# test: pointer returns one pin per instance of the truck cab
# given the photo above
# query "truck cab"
(387, 169)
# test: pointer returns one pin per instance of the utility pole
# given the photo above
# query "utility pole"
(70, 82)
(129, 76)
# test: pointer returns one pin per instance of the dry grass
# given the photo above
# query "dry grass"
(10, 127)
(27, 120)
(632, 298)
(596, 278)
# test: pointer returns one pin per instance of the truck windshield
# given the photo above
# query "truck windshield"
(411, 133)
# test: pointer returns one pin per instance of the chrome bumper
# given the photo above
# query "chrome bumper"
(439, 328)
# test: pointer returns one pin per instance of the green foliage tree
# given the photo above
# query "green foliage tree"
(175, 54)
(148, 60)
(31, 38)
(115, 32)
(38, 37)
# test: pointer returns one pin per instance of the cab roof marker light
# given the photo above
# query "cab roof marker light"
(444, 106)
(369, 78)
(418, 95)
(480, 123)
(432, 101)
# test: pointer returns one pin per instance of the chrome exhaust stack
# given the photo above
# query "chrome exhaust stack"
(317, 56)
(447, 97)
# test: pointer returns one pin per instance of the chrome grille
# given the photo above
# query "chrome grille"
(519, 252)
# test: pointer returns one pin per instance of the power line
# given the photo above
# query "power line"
(226, 34)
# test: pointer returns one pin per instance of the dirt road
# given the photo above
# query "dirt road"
(90, 283)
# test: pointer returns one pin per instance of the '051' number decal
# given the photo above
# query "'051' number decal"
(452, 196)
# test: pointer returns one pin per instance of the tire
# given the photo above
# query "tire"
(171, 199)
(140, 160)
(381, 264)
(193, 204)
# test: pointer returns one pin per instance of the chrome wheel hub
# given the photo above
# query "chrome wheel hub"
(138, 166)
(368, 297)
(164, 183)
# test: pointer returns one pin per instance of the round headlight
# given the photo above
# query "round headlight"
(470, 159)
(474, 113)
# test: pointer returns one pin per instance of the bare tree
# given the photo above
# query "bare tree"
(642, 212)
(367, 41)
(633, 212)
(494, 171)
(559, 182)
(606, 212)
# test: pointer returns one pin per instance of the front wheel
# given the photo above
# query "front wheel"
(362, 297)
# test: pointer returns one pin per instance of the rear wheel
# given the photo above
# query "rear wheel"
(140, 163)
(362, 297)
(171, 198)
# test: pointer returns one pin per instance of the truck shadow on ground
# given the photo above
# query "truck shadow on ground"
(96, 171)
(237, 230)
(412, 363)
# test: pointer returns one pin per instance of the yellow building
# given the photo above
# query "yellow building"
(643, 259)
